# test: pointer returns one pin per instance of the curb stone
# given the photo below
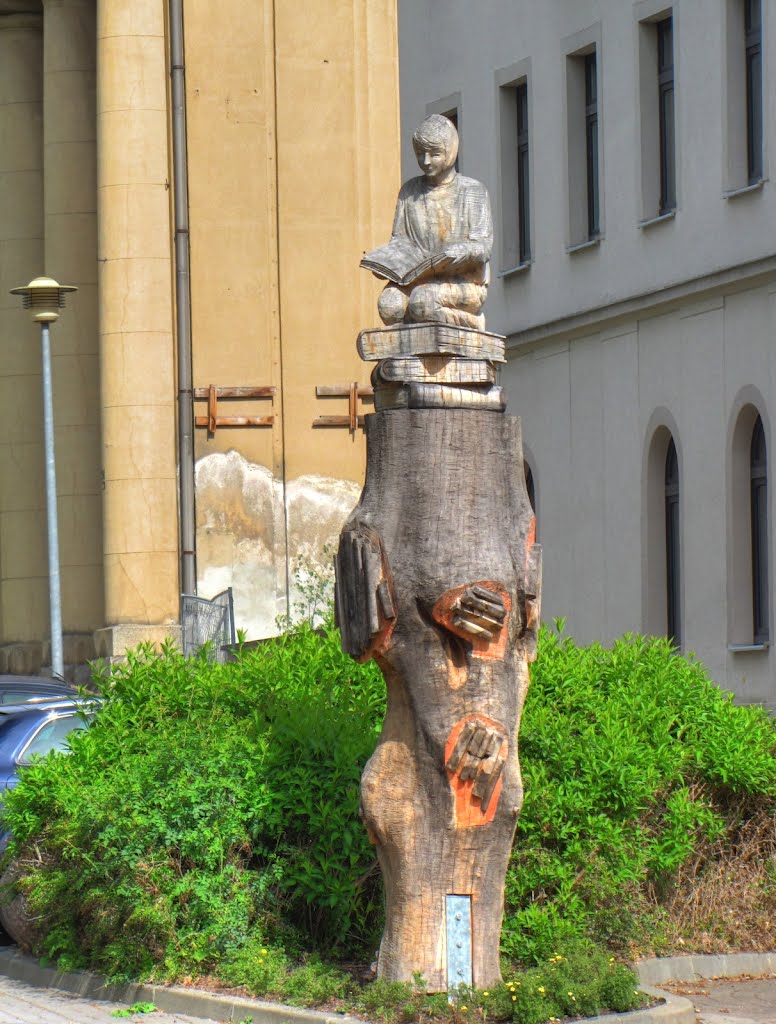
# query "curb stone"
(694, 967)
(195, 1003)
(189, 1002)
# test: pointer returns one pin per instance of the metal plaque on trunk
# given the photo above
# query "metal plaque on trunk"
(458, 910)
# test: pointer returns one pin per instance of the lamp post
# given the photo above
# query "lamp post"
(43, 297)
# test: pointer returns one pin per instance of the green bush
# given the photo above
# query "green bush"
(208, 803)
(580, 982)
(632, 759)
(208, 821)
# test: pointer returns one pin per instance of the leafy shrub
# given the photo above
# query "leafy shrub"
(580, 982)
(207, 822)
(632, 760)
(206, 804)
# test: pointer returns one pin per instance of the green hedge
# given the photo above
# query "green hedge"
(632, 760)
(211, 811)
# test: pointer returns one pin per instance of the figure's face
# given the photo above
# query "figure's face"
(436, 161)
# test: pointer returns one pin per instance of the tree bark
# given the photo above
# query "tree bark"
(438, 580)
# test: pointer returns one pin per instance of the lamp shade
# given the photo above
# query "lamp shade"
(43, 297)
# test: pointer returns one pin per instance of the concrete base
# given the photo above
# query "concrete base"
(34, 657)
(113, 642)
(110, 644)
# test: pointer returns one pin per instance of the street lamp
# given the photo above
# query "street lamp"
(43, 297)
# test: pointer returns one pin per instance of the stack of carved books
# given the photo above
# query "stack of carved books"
(434, 366)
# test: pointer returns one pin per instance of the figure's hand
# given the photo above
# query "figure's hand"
(480, 612)
(477, 755)
(454, 256)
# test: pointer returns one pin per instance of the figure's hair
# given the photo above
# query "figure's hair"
(436, 130)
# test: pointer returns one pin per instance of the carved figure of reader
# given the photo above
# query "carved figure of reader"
(438, 578)
(437, 259)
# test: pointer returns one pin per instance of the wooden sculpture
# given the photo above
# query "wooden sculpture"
(438, 580)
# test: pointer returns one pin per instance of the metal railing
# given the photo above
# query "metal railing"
(210, 622)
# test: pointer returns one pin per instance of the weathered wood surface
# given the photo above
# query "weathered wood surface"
(434, 370)
(429, 339)
(438, 579)
(440, 396)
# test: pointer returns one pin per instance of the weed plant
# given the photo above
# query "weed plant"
(207, 824)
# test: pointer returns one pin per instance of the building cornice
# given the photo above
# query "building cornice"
(649, 303)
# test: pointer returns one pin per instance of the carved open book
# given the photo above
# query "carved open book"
(400, 261)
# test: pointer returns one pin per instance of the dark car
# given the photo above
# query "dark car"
(34, 729)
(15, 689)
(26, 731)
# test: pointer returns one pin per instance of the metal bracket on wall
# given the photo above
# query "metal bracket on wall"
(212, 393)
(352, 392)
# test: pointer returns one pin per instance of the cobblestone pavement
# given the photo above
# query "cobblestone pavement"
(21, 1004)
(732, 1002)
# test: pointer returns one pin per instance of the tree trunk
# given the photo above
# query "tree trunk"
(438, 580)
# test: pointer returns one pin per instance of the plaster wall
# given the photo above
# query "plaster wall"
(293, 166)
(293, 173)
(590, 410)
(455, 49)
(23, 583)
(653, 330)
(70, 221)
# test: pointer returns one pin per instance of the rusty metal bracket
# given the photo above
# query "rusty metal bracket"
(212, 394)
(353, 392)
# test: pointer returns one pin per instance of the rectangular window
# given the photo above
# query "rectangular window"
(523, 175)
(591, 144)
(656, 100)
(754, 89)
(584, 138)
(514, 129)
(666, 120)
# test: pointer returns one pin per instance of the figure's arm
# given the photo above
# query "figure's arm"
(399, 220)
(477, 247)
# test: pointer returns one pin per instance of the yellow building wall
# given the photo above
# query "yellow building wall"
(293, 156)
(293, 165)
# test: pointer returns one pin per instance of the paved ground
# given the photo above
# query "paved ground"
(21, 1004)
(716, 1002)
(732, 1002)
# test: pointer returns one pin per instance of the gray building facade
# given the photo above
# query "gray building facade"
(626, 147)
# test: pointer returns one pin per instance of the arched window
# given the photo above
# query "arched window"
(673, 561)
(758, 479)
(661, 530)
(529, 485)
(748, 584)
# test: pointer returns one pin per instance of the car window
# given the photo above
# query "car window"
(14, 696)
(52, 736)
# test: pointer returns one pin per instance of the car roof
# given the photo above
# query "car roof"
(50, 704)
(13, 679)
(20, 722)
(33, 685)
(31, 682)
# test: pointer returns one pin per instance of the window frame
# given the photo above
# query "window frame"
(666, 114)
(515, 213)
(523, 173)
(758, 510)
(584, 117)
(592, 152)
(754, 89)
(673, 545)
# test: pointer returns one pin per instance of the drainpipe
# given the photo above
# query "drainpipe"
(180, 186)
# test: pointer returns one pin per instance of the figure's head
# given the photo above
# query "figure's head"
(435, 142)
